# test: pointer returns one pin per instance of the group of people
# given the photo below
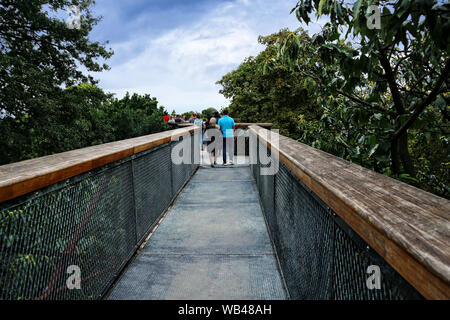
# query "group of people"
(211, 133)
(215, 127)
(174, 119)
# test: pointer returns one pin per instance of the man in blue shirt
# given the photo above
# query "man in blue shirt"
(227, 127)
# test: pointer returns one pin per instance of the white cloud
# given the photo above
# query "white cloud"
(180, 66)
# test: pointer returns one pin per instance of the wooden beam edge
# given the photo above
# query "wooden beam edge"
(19, 188)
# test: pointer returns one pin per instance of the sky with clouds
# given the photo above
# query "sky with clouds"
(176, 50)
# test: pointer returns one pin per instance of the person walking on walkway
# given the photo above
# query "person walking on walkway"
(217, 116)
(227, 126)
(211, 135)
(199, 123)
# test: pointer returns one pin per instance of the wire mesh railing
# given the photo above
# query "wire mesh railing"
(320, 256)
(94, 222)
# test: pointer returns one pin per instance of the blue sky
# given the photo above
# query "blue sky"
(176, 50)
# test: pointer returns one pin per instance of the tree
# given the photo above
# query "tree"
(40, 54)
(87, 116)
(188, 114)
(136, 115)
(262, 89)
(208, 112)
(399, 70)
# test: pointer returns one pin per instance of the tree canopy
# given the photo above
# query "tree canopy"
(375, 96)
(40, 53)
(52, 105)
(86, 117)
(399, 69)
(263, 91)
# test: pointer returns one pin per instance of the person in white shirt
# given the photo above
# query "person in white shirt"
(199, 122)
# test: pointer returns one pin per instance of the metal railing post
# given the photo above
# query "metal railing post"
(134, 203)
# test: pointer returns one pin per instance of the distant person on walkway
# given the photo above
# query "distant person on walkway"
(217, 116)
(192, 118)
(166, 117)
(211, 129)
(178, 119)
(199, 123)
(227, 126)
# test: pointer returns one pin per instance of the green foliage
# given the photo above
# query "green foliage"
(371, 96)
(135, 116)
(262, 90)
(188, 114)
(396, 76)
(360, 136)
(51, 105)
(208, 112)
(39, 54)
(85, 116)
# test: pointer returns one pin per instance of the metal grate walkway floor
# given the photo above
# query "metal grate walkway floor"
(212, 244)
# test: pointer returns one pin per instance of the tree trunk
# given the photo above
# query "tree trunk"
(400, 155)
(405, 156)
(395, 158)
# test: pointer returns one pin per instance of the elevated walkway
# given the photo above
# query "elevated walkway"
(137, 223)
(212, 244)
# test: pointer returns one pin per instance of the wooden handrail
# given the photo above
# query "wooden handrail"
(408, 227)
(20, 178)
